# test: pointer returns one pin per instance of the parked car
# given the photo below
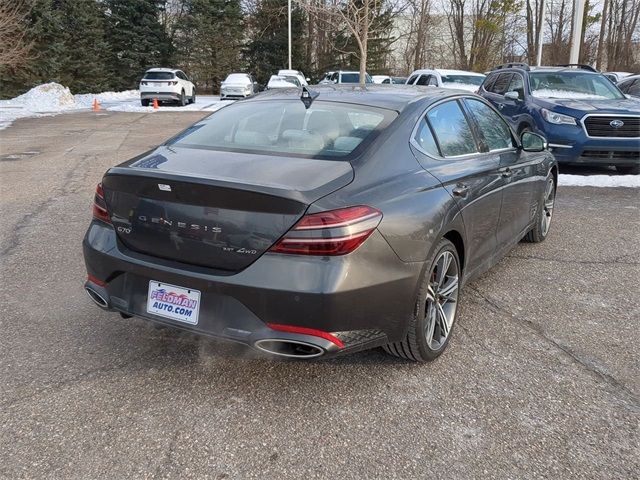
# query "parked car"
(616, 77)
(630, 86)
(238, 85)
(295, 73)
(586, 118)
(388, 80)
(343, 76)
(326, 78)
(281, 81)
(279, 222)
(166, 85)
(460, 79)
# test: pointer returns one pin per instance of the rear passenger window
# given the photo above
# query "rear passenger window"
(423, 80)
(424, 138)
(501, 84)
(412, 79)
(452, 130)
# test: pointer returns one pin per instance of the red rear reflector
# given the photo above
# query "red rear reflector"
(306, 331)
(95, 280)
(335, 232)
(100, 206)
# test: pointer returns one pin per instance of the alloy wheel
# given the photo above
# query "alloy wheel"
(547, 211)
(442, 300)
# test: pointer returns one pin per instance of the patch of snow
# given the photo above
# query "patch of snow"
(86, 99)
(203, 104)
(461, 86)
(53, 99)
(599, 180)
(550, 93)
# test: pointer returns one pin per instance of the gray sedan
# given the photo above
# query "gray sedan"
(318, 222)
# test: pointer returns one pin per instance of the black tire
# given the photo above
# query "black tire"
(192, 100)
(145, 103)
(539, 233)
(416, 345)
(183, 99)
(629, 169)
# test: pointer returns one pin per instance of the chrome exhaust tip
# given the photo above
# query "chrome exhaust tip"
(97, 298)
(289, 348)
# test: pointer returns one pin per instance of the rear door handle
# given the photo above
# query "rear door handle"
(461, 190)
(506, 172)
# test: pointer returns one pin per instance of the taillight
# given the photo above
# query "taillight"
(335, 232)
(100, 206)
(172, 83)
(143, 83)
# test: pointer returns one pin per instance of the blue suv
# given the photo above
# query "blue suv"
(586, 119)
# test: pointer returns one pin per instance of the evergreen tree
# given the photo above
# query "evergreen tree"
(209, 39)
(69, 48)
(83, 65)
(137, 40)
(267, 51)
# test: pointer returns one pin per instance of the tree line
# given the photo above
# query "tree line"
(96, 45)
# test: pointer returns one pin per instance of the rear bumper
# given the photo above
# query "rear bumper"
(161, 96)
(364, 299)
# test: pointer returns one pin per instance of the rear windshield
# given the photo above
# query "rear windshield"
(325, 130)
(237, 77)
(463, 79)
(576, 85)
(159, 75)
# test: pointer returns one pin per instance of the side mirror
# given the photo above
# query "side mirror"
(512, 96)
(532, 142)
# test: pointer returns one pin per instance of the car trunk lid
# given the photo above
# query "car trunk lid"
(212, 208)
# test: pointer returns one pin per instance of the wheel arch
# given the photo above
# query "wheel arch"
(456, 238)
(554, 172)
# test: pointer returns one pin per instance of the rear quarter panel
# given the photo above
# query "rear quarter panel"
(416, 209)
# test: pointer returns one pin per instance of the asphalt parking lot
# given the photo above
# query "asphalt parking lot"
(542, 378)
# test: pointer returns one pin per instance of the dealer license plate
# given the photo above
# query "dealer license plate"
(177, 303)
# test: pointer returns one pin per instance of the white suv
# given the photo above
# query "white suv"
(470, 81)
(166, 85)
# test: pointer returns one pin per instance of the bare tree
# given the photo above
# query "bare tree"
(623, 25)
(602, 36)
(476, 28)
(14, 45)
(356, 16)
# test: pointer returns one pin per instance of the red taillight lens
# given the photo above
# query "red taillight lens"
(335, 232)
(307, 331)
(100, 206)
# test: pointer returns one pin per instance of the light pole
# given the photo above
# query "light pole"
(289, 34)
(578, 15)
(540, 30)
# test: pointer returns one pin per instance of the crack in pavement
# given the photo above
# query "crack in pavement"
(569, 352)
(617, 259)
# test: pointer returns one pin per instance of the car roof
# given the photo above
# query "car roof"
(391, 97)
(444, 71)
(545, 69)
(285, 71)
(162, 69)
